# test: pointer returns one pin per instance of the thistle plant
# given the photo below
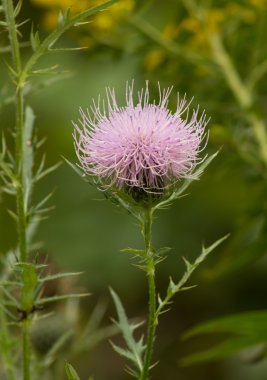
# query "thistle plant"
(22, 280)
(142, 157)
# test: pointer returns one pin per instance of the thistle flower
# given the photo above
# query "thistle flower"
(142, 147)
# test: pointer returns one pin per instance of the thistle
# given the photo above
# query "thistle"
(143, 146)
(143, 156)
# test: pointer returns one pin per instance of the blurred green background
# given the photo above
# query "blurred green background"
(167, 42)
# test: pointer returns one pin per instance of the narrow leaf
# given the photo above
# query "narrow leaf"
(71, 373)
(175, 194)
(246, 330)
(135, 348)
(137, 252)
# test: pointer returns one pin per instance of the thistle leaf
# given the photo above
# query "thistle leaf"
(58, 276)
(42, 301)
(246, 330)
(136, 252)
(135, 348)
(41, 174)
(75, 168)
(175, 194)
(174, 288)
(46, 71)
(29, 280)
(18, 8)
(35, 40)
(71, 373)
(28, 151)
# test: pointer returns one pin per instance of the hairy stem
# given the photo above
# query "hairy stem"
(150, 269)
(26, 350)
(6, 348)
(19, 158)
(12, 31)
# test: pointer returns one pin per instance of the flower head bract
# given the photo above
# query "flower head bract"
(144, 145)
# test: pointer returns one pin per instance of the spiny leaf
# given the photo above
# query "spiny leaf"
(58, 276)
(175, 194)
(121, 199)
(137, 252)
(39, 205)
(35, 40)
(75, 168)
(71, 373)
(42, 301)
(121, 351)
(13, 215)
(162, 251)
(174, 288)
(135, 349)
(46, 71)
(56, 50)
(17, 8)
(47, 171)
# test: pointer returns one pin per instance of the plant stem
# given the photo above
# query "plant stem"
(19, 157)
(150, 269)
(26, 350)
(6, 347)
(240, 91)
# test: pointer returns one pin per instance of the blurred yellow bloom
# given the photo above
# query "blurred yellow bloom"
(171, 31)
(214, 20)
(258, 3)
(102, 22)
(153, 59)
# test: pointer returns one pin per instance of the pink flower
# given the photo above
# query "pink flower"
(144, 146)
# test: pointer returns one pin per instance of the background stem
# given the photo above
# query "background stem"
(26, 350)
(6, 347)
(19, 158)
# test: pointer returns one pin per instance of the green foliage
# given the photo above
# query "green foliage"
(135, 348)
(42, 47)
(24, 286)
(240, 331)
(71, 373)
(174, 288)
(246, 246)
(176, 192)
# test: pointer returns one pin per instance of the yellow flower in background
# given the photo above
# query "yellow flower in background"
(104, 23)
(154, 58)
(214, 21)
(258, 3)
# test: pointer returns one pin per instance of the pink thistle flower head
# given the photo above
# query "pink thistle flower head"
(142, 146)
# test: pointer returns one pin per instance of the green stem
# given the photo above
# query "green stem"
(20, 187)
(6, 347)
(19, 158)
(240, 91)
(26, 350)
(158, 37)
(12, 30)
(150, 269)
